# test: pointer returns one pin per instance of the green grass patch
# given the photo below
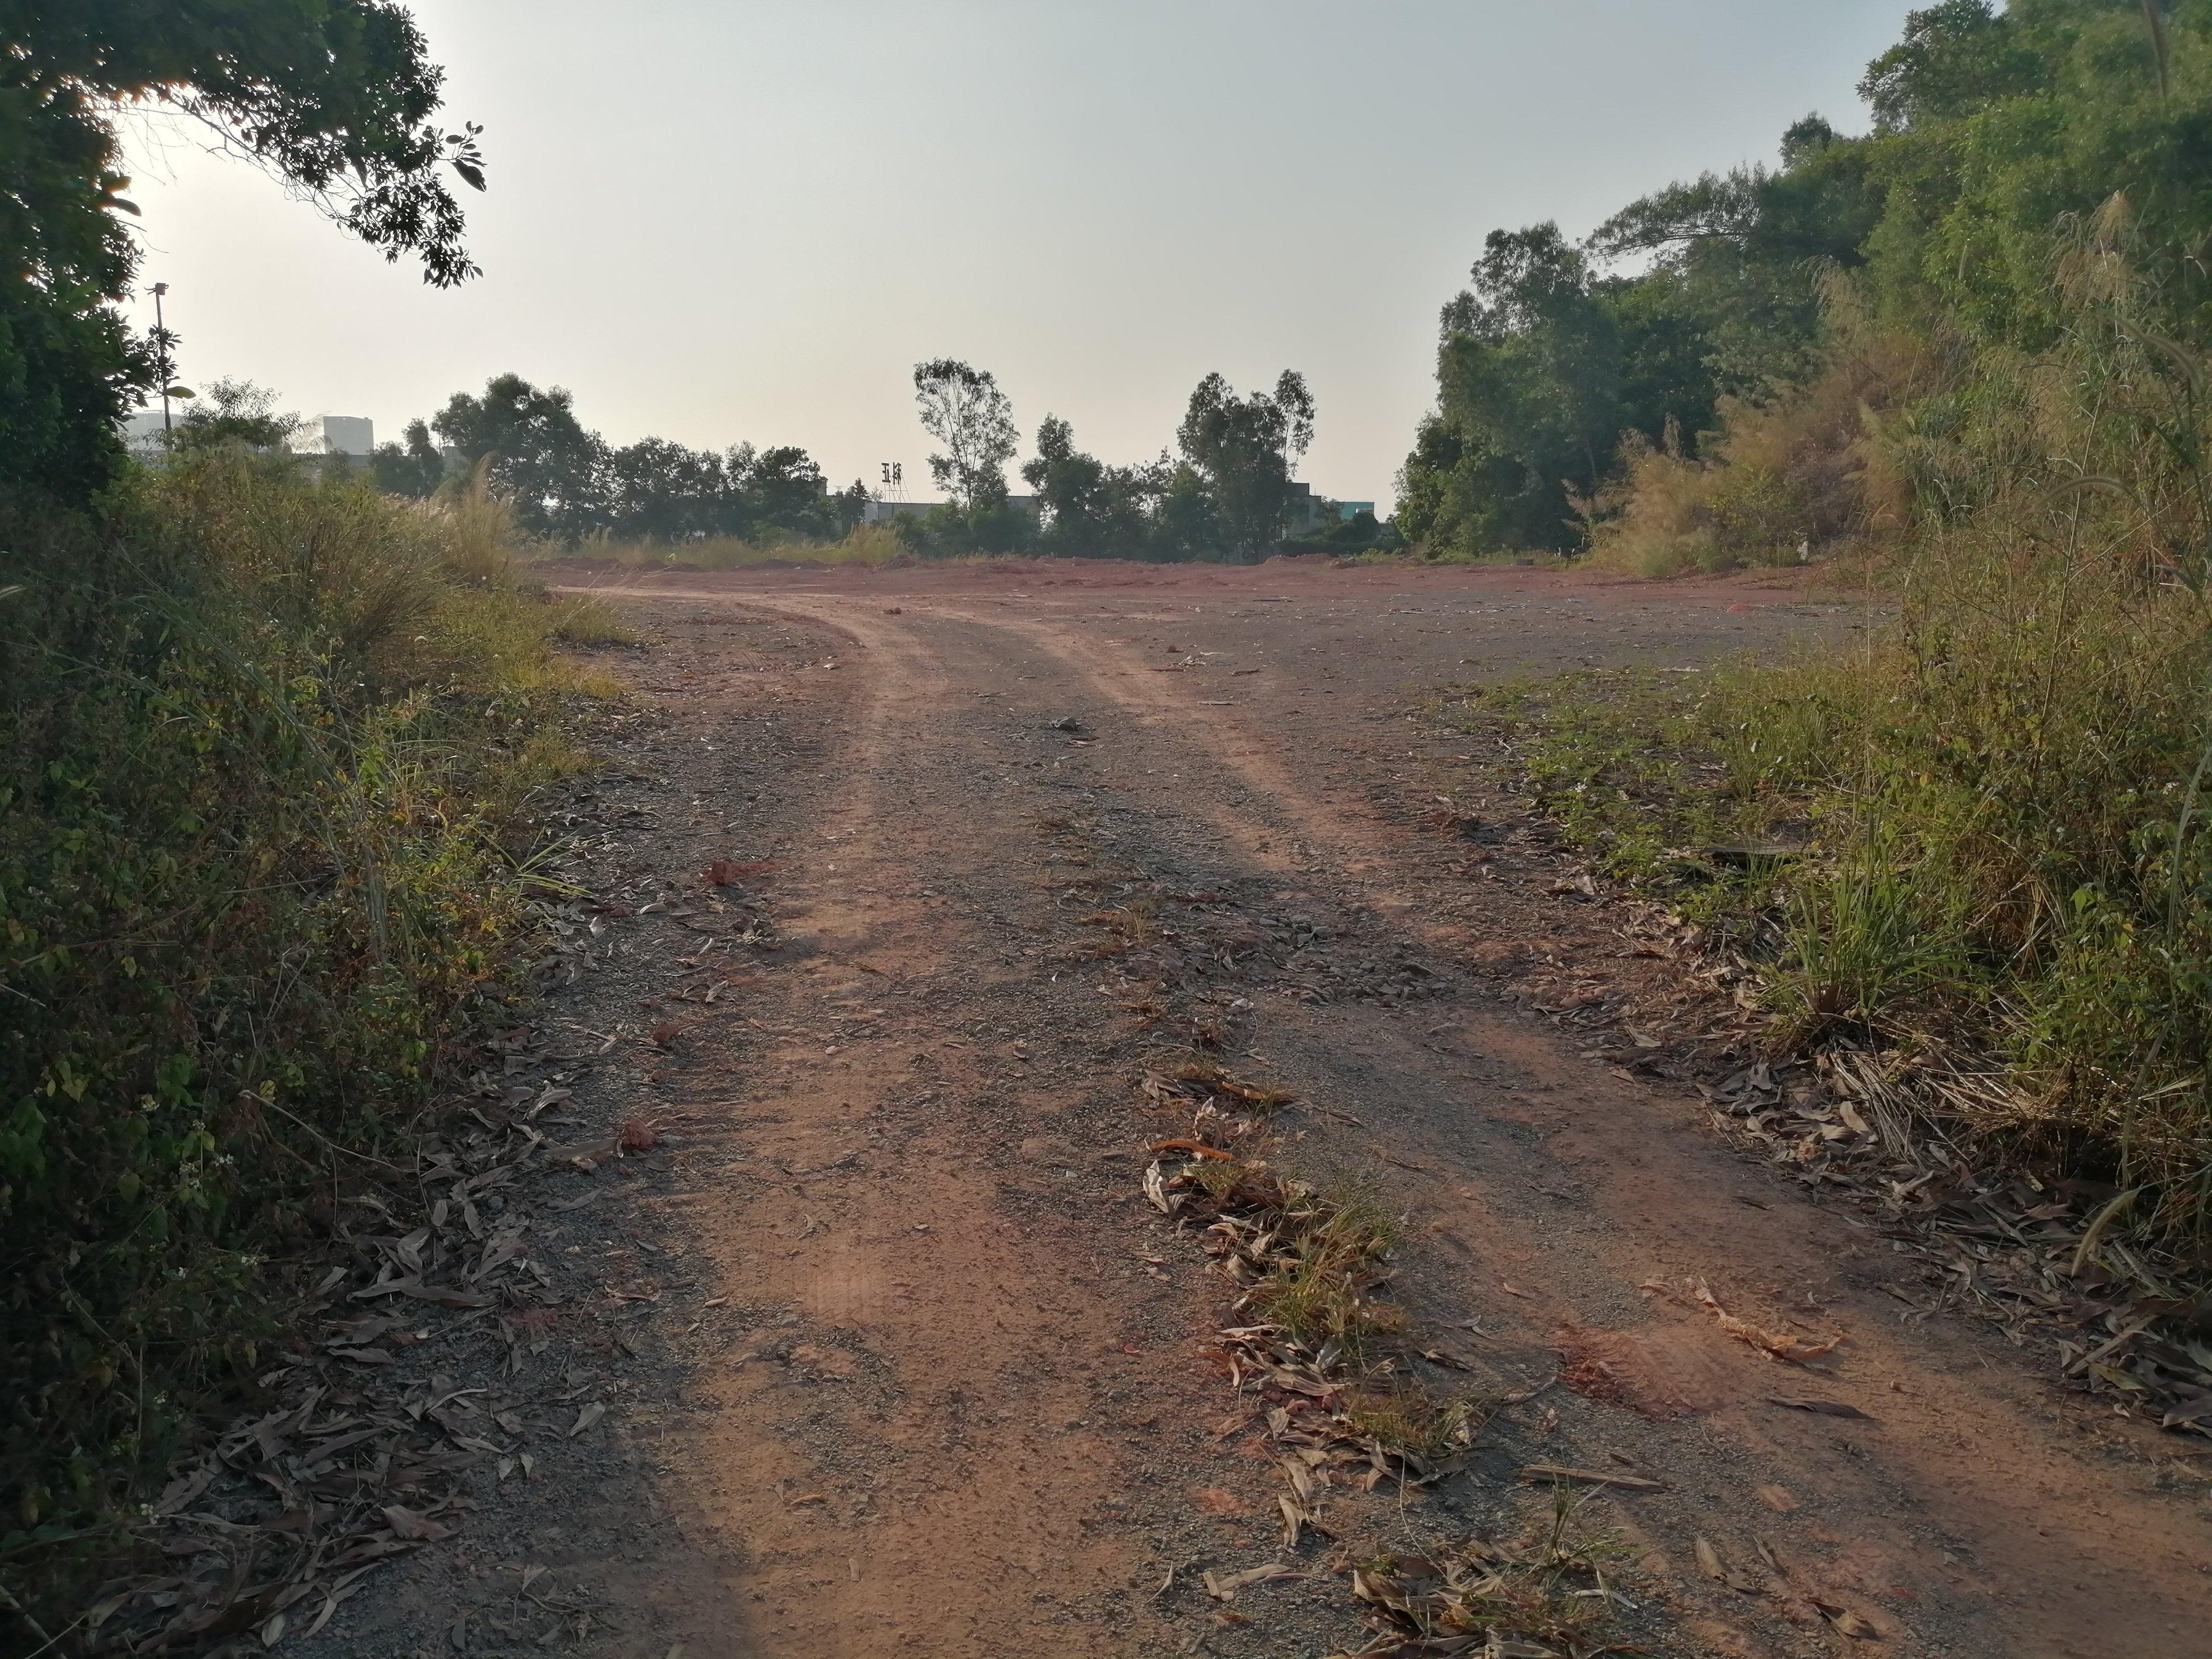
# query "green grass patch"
(1980, 832)
(869, 545)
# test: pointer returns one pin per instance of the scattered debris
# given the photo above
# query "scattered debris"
(1795, 1350)
(1541, 1473)
(1822, 1407)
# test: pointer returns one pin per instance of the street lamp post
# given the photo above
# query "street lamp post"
(162, 338)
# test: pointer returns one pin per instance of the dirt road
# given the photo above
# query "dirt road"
(905, 1363)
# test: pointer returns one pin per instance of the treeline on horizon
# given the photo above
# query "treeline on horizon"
(1226, 494)
(1591, 393)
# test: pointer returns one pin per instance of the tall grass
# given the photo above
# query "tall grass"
(873, 545)
(2003, 796)
(262, 742)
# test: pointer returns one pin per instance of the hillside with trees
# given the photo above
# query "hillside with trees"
(1563, 362)
(1965, 357)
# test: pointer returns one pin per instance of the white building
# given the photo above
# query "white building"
(351, 436)
(143, 433)
(877, 512)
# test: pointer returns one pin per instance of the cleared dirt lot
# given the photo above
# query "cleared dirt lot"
(908, 1366)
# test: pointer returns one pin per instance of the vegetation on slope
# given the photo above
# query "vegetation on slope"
(1983, 830)
(1993, 811)
(1697, 315)
(265, 749)
(266, 744)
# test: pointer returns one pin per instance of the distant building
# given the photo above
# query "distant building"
(877, 512)
(1305, 508)
(873, 511)
(143, 434)
(350, 435)
(353, 436)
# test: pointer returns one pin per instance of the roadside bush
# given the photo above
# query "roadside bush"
(2002, 799)
(872, 545)
(263, 746)
(1816, 468)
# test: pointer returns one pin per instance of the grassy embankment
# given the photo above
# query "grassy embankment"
(266, 752)
(1997, 804)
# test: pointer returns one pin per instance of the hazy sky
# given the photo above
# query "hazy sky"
(716, 221)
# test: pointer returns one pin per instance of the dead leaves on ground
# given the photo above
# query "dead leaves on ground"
(273, 1527)
(1775, 1344)
(1324, 1352)
(1547, 1599)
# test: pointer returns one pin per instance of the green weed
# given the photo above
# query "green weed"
(868, 544)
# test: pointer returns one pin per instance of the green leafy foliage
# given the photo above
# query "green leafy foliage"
(1544, 363)
(1990, 127)
(1998, 805)
(335, 96)
(1244, 449)
(566, 484)
(262, 743)
(962, 408)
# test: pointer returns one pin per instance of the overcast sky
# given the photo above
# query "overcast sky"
(715, 221)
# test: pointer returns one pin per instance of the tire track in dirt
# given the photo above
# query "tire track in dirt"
(1958, 1488)
(1968, 1517)
(902, 1446)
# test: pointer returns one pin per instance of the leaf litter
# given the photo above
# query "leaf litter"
(1313, 1333)
(361, 1457)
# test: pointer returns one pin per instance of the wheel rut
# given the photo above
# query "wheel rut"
(967, 1402)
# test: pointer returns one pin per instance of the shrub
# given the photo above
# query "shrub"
(261, 745)
(2004, 794)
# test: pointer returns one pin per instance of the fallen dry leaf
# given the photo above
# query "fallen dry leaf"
(406, 1523)
(1846, 1621)
(1222, 1588)
(1536, 1474)
(591, 1414)
(1818, 1408)
(1709, 1559)
(1710, 1563)
(1795, 1350)
(1776, 1498)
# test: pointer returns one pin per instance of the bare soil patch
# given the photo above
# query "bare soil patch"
(897, 1355)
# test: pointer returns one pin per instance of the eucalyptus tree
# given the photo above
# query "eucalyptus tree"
(963, 408)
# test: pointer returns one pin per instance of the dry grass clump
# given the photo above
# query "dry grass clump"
(871, 545)
(1546, 1595)
(1403, 1417)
